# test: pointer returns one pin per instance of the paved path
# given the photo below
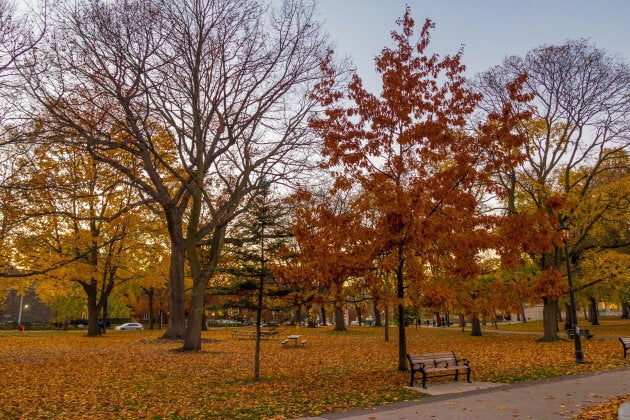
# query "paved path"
(556, 398)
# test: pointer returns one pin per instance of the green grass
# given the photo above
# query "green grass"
(609, 326)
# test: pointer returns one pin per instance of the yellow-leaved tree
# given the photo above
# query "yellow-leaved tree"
(80, 227)
(579, 128)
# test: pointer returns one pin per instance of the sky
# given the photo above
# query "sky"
(488, 30)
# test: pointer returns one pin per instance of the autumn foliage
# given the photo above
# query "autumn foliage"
(418, 168)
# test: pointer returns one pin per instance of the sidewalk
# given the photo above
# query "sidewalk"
(556, 398)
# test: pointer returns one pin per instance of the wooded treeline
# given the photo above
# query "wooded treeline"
(219, 150)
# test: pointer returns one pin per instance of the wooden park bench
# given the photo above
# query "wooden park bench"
(269, 333)
(625, 342)
(584, 333)
(251, 334)
(244, 334)
(442, 363)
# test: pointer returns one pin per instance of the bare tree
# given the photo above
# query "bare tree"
(581, 124)
(209, 97)
(19, 34)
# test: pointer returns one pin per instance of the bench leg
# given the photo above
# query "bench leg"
(456, 374)
(468, 375)
(424, 381)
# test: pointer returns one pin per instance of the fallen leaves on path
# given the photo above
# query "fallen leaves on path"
(607, 410)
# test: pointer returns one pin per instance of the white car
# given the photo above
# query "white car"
(129, 326)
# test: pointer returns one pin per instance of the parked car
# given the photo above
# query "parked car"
(129, 326)
(79, 323)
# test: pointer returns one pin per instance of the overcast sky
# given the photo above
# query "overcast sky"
(489, 30)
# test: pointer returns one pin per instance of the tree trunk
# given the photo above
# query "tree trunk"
(192, 340)
(377, 314)
(105, 311)
(462, 321)
(568, 318)
(594, 318)
(475, 327)
(259, 308)
(150, 294)
(204, 318)
(177, 312)
(625, 310)
(340, 324)
(298, 315)
(324, 318)
(92, 308)
(201, 278)
(550, 320)
(311, 322)
(386, 323)
(402, 337)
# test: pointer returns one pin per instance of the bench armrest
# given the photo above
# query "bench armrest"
(419, 365)
(437, 363)
(463, 361)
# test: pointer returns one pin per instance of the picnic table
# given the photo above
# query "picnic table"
(294, 338)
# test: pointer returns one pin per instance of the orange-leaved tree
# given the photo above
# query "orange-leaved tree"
(333, 243)
(410, 154)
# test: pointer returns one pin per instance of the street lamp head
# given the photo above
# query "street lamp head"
(564, 232)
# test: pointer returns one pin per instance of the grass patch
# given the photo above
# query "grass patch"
(609, 326)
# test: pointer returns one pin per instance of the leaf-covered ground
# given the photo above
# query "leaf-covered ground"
(608, 410)
(134, 374)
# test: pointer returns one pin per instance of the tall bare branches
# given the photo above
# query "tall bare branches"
(209, 97)
(578, 138)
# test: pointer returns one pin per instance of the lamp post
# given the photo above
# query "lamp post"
(579, 354)
(20, 310)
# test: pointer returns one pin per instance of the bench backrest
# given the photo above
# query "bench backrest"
(430, 359)
(625, 341)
